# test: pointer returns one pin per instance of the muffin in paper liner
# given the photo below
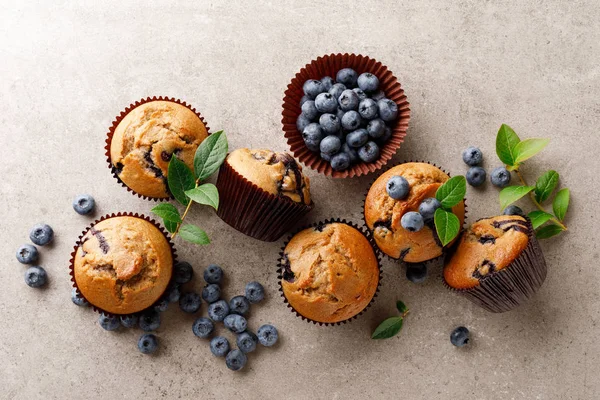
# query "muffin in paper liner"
(118, 120)
(281, 268)
(79, 243)
(329, 65)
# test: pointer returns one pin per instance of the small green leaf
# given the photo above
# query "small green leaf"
(545, 185)
(447, 225)
(452, 191)
(401, 307)
(561, 203)
(539, 218)
(506, 140)
(510, 194)
(170, 226)
(193, 234)
(548, 231)
(529, 148)
(206, 194)
(168, 212)
(388, 328)
(210, 155)
(180, 179)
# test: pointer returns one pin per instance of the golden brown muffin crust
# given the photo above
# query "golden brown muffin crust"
(145, 140)
(123, 265)
(330, 272)
(383, 214)
(488, 246)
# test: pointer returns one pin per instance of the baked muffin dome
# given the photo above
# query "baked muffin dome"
(488, 246)
(330, 272)
(123, 264)
(383, 214)
(144, 141)
(276, 173)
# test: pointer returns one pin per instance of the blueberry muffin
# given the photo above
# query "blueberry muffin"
(144, 141)
(384, 213)
(123, 264)
(330, 273)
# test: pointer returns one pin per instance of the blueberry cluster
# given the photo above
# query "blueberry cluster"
(346, 120)
(476, 175)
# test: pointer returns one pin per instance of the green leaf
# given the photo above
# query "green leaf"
(388, 328)
(168, 212)
(561, 203)
(506, 141)
(545, 185)
(447, 225)
(180, 179)
(193, 234)
(170, 226)
(452, 191)
(210, 155)
(529, 148)
(510, 194)
(401, 307)
(206, 194)
(548, 231)
(539, 218)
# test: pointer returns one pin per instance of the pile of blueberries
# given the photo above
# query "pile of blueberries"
(346, 120)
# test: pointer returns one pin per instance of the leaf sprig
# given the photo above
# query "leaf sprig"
(187, 188)
(391, 326)
(452, 192)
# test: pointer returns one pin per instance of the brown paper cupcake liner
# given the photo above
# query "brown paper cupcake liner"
(329, 65)
(78, 243)
(254, 211)
(280, 268)
(119, 118)
(511, 286)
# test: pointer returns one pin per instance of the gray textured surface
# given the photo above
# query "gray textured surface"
(466, 66)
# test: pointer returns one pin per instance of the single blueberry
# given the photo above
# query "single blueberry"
(312, 88)
(340, 161)
(459, 336)
(255, 292)
(41, 234)
(235, 323)
(304, 99)
(330, 124)
(412, 221)
(427, 208)
(369, 152)
(149, 320)
(302, 122)
(219, 346)
(326, 157)
(162, 304)
(476, 176)
(211, 293)
(148, 343)
(190, 302)
(352, 153)
(348, 100)
(330, 145)
(378, 95)
(203, 327)
(500, 177)
(309, 109)
(213, 274)
(267, 335)
(173, 293)
(472, 156)
(351, 120)
(27, 254)
(513, 210)
(368, 82)
(326, 103)
(416, 273)
(376, 128)
(239, 305)
(337, 90)
(388, 110)
(36, 277)
(347, 76)
(327, 82)
(182, 272)
(109, 322)
(129, 320)
(235, 360)
(360, 93)
(246, 342)
(83, 204)
(78, 299)
(358, 138)
(312, 135)
(218, 310)
(397, 187)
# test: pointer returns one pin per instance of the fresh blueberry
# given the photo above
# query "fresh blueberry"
(190, 302)
(219, 346)
(203, 327)
(27, 254)
(369, 152)
(211, 293)
(513, 210)
(416, 273)
(235, 323)
(239, 305)
(304, 99)
(476, 176)
(148, 343)
(327, 82)
(129, 320)
(352, 153)
(388, 110)
(412, 221)
(109, 322)
(312, 88)
(376, 128)
(267, 335)
(459, 336)
(330, 144)
(78, 299)
(360, 93)
(149, 320)
(83, 204)
(330, 124)
(472, 156)
(35, 277)
(312, 135)
(348, 100)
(347, 76)
(368, 109)
(173, 293)
(41, 234)
(255, 292)
(340, 161)
(218, 310)
(213, 274)
(368, 82)
(162, 304)
(427, 208)
(397, 187)
(326, 103)
(387, 134)
(309, 110)
(500, 177)
(246, 342)
(351, 120)
(357, 138)
(302, 122)
(378, 95)
(337, 89)
(182, 272)
(326, 157)
(235, 360)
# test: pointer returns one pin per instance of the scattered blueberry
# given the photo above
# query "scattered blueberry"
(472, 156)
(337, 90)
(312, 88)
(162, 304)
(148, 343)
(352, 153)
(397, 187)
(460, 336)
(235, 323)
(500, 177)
(376, 128)
(388, 110)
(235, 360)
(327, 82)
(83, 204)
(246, 342)
(330, 144)
(340, 161)
(213, 274)
(304, 99)
(513, 210)
(239, 305)
(218, 310)
(378, 95)
(330, 124)
(255, 292)
(358, 138)
(412, 221)
(78, 299)
(267, 335)
(368, 82)
(41, 234)
(427, 208)
(211, 293)
(219, 346)
(312, 136)
(190, 302)
(203, 327)
(416, 273)
(476, 176)
(369, 152)
(351, 120)
(129, 320)
(182, 272)
(35, 277)
(109, 322)
(302, 122)
(326, 103)
(360, 93)
(309, 110)
(173, 293)
(348, 100)
(27, 254)
(347, 76)
(149, 320)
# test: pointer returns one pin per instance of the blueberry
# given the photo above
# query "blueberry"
(327, 82)
(35, 277)
(513, 210)
(149, 320)
(500, 177)
(312, 88)
(412, 221)
(368, 109)
(27, 254)
(109, 322)
(340, 161)
(357, 138)
(255, 292)
(173, 293)
(388, 110)
(213, 274)
(337, 89)
(312, 136)
(459, 336)
(352, 153)
(246, 342)
(239, 305)
(351, 120)
(235, 323)
(326, 157)
(360, 93)
(190, 302)
(219, 346)
(416, 273)
(340, 114)
(83, 204)
(41, 234)
(397, 187)
(476, 176)
(182, 272)
(369, 152)
(235, 360)
(148, 343)
(387, 134)
(78, 299)
(211, 293)
(472, 156)
(304, 99)
(267, 335)
(330, 124)
(309, 110)
(203, 327)
(348, 100)
(376, 128)
(427, 208)
(162, 304)
(302, 122)
(218, 310)
(368, 82)
(330, 145)
(129, 320)
(378, 95)
(347, 76)
(326, 103)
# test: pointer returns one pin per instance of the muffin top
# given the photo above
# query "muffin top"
(146, 138)
(123, 265)
(383, 213)
(276, 173)
(488, 246)
(330, 272)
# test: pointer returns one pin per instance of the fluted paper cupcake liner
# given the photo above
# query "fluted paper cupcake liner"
(329, 65)
(280, 269)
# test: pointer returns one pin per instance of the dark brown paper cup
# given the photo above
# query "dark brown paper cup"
(329, 65)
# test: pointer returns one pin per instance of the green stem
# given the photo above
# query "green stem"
(405, 313)
(187, 209)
